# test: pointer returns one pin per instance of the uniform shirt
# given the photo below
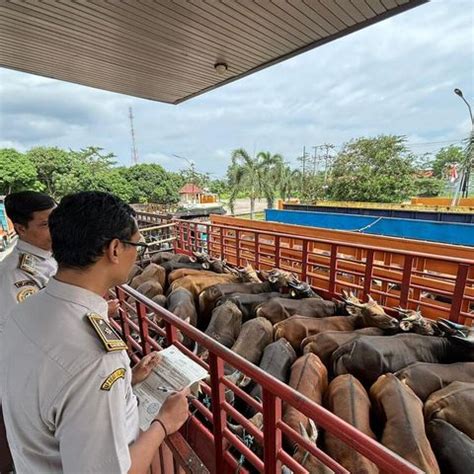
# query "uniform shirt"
(68, 403)
(22, 273)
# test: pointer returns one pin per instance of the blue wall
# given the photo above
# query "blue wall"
(451, 233)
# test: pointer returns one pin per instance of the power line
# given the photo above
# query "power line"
(134, 146)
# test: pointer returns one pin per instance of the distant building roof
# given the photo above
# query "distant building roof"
(190, 189)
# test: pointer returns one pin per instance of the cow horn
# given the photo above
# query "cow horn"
(237, 429)
(244, 381)
(313, 431)
(206, 265)
(345, 294)
(304, 433)
(371, 300)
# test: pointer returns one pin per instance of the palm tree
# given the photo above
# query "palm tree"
(254, 176)
(290, 181)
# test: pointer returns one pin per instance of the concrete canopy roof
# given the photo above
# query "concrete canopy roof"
(167, 50)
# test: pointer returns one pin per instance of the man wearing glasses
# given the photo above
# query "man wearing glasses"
(67, 383)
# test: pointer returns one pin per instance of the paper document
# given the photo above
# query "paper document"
(174, 372)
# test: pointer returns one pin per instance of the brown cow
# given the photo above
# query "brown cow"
(226, 323)
(348, 399)
(196, 284)
(404, 431)
(181, 303)
(150, 288)
(152, 272)
(297, 327)
(182, 272)
(310, 378)
(425, 378)
(454, 404)
(325, 343)
(135, 271)
(254, 336)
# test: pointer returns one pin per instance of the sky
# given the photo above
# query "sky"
(394, 77)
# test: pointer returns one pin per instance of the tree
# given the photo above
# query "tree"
(252, 176)
(50, 163)
(444, 158)
(428, 187)
(17, 172)
(289, 183)
(272, 169)
(151, 183)
(373, 169)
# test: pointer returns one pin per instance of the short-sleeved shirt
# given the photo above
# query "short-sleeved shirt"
(68, 403)
(23, 273)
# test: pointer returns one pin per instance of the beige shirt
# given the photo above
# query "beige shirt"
(59, 415)
(24, 272)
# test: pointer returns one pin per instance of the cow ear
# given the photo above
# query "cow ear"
(206, 266)
(352, 310)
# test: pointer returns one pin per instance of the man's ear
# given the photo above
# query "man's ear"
(113, 250)
(20, 229)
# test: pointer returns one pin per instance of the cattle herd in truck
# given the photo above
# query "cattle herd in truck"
(406, 381)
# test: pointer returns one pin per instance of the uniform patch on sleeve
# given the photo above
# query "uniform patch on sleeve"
(27, 263)
(25, 293)
(112, 378)
(22, 283)
(110, 339)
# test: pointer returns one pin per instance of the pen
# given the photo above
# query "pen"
(167, 389)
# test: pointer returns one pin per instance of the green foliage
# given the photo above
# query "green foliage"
(152, 183)
(17, 172)
(428, 187)
(445, 157)
(373, 169)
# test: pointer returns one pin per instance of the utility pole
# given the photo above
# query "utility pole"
(134, 146)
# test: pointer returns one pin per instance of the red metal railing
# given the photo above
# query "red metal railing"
(440, 286)
(214, 444)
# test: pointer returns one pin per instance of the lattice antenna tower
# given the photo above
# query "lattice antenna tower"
(134, 145)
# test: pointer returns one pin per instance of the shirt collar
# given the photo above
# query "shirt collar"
(23, 246)
(75, 294)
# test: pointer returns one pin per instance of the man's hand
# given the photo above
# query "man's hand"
(112, 307)
(174, 411)
(143, 369)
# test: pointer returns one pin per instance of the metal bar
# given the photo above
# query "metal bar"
(257, 253)
(237, 247)
(272, 435)
(368, 273)
(216, 369)
(406, 281)
(277, 251)
(143, 325)
(304, 260)
(332, 270)
(459, 287)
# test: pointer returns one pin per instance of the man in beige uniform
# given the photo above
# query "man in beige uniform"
(31, 264)
(67, 396)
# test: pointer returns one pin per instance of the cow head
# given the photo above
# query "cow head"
(256, 420)
(372, 314)
(277, 278)
(413, 321)
(248, 274)
(301, 289)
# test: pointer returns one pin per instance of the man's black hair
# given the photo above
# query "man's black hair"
(84, 223)
(20, 206)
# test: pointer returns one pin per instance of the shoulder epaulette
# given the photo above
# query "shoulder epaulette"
(27, 263)
(110, 339)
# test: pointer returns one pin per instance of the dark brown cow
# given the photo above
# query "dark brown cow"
(368, 357)
(248, 303)
(348, 399)
(150, 288)
(162, 257)
(310, 378)
(254, 336)
(425, 378)
(454, 404)
(135, 271)
(279, 309)
(226, 323)
(325, 343)
(181, 303)
(297, 327)
(404, 430)
(160, 299)
(453, 449)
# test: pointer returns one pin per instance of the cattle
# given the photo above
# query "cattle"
(248, 303)
(181, 303)
(425, 378)
(310, 378)
(254, 336)
(348, 399)
(182, 272)
(278, 309)
(297, 327)
(276, 361)
(226, 323)
(454, 404)
(453, 449)
(150, 289)
(368, 357)
(136, 270)
(404, 430)
(275, 280)
(413, 321)
(160, 300)
(152, 272)
(162, 257)
(325, 343)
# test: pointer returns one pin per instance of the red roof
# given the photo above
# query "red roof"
(190, 189)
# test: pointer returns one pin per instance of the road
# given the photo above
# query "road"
(242, 206)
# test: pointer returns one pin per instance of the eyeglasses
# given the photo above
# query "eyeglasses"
(141, 245)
